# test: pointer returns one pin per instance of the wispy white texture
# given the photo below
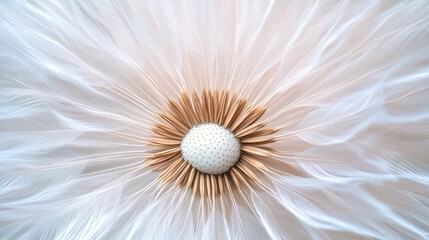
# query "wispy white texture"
(346, 81)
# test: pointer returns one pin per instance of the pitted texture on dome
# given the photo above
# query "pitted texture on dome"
(210, 148)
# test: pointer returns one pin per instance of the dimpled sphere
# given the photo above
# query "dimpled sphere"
(210, 148)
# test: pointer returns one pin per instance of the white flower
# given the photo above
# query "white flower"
(83, 86)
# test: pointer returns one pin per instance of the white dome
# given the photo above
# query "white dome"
(210, 148)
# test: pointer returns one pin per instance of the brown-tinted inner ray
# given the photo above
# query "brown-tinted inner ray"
(211, 107)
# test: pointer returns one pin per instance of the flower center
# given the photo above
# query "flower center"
(210, 148)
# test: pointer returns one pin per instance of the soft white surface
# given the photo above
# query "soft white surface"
(210, 148)
(346, 81)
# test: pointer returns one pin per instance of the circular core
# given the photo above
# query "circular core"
(210, 148)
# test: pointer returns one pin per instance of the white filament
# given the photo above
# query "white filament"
(346, 82)
(210, 148)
